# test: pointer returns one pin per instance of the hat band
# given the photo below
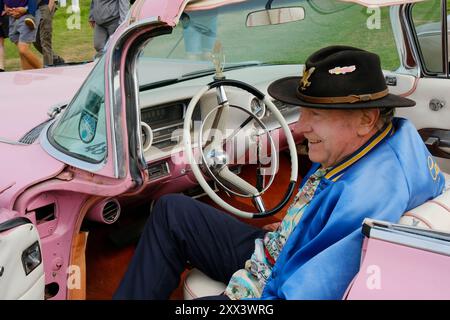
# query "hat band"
(348, 99)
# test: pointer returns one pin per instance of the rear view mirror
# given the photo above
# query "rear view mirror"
(275, 16)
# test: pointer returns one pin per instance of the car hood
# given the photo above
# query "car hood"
(26, 96)
(23, 166)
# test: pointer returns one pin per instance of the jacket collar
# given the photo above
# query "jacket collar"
(335, 172)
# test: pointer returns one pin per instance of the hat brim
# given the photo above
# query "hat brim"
(284, 90)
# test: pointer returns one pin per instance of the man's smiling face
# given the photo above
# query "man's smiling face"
(332, 134)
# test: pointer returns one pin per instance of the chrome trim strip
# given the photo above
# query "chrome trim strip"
(397, 15)
(167, 127)
(63, 157)
(16, 143)
(411, 240)
(444, 36)
(141, 158)
(259, 203)
(113, 74)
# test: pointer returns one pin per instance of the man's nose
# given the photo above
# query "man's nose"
(303, 124)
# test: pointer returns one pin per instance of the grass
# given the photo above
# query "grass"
(290, 43)
(72, 44)
(293, 42)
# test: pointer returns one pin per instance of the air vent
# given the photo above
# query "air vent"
(111, 211)
(45, 213)
(33, 134)
(107, 211)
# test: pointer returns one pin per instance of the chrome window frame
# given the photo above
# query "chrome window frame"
(115, 97)
(414, 42)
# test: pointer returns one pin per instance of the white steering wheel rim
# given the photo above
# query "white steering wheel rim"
(189, 154)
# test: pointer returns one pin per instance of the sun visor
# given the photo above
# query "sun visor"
(381, 3)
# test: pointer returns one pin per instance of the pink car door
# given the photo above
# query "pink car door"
(402, 262)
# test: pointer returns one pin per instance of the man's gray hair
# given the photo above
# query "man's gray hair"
(386, 116)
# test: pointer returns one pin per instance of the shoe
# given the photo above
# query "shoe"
(58, 61)
(29, 22)
(1, 70)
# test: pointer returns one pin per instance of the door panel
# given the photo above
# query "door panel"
(401, 84)
(424, 117)
(21, 268)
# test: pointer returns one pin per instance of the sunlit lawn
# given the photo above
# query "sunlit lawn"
(290, 43)
(69, 42)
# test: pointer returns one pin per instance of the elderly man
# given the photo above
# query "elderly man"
(365, 164)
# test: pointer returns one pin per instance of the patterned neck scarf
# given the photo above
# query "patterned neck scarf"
(250, 281)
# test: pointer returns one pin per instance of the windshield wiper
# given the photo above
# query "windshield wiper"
(197, 74)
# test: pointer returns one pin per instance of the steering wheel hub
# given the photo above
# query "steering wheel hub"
(215, 158)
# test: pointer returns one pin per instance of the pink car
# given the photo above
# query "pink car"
(89, 142)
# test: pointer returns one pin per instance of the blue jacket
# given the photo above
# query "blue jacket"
(322, 255)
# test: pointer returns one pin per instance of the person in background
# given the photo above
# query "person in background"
(43, 41)
(4, 30)
(105, 16)
(200, 33)
(31, 13)
(366, 163)
(20, 33)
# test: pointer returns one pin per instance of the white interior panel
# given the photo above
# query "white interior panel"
(14, 283)
(422, 116)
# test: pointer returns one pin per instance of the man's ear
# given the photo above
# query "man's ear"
(368, 121)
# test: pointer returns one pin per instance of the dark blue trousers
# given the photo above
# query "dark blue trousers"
(182, 230)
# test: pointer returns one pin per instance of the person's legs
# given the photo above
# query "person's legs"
(25, 37)
(111, 27)
(27, 58)
(44, 36)
(107, 30)
(37, 42)
(100, 37)
(4, 31)
(2, 54)
(180, 230)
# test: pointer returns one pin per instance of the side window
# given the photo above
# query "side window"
(427, 19)
(81, 130)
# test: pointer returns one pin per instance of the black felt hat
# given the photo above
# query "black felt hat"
(339, 77)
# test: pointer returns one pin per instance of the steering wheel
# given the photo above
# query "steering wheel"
(214, 159)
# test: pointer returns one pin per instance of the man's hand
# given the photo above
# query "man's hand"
(7, 11)
(272, 226)
(92, 23)
(16, 13)
(52, 6)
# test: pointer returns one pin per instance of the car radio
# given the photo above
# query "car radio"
(166, 122)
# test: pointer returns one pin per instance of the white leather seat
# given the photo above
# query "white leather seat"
(197, 284)
(433, 214)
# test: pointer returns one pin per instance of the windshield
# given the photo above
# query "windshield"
(189, 48)
(81, 130)
(222, 32)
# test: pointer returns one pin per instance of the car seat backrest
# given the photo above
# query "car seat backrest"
(433, 214)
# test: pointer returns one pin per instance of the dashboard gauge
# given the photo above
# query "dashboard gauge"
(87, 127)
(257, 107)
(147, 136)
